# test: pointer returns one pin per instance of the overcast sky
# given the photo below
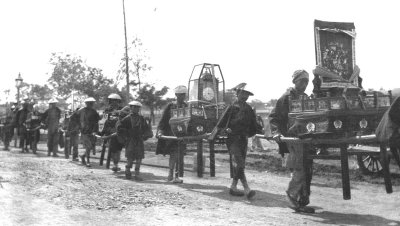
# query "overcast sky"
(257, 42)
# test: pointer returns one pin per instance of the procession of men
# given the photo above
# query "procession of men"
(125, 128)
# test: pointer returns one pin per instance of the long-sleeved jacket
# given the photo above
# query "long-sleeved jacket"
(51, 117)
(88, 120)
(111, 121)
(241, 119)
(279, 117)
(33, 119)
(22, 115)
(135, 126)
(165, 147)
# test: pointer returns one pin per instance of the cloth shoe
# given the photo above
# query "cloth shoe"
(83, 159)
(294, 204)
(170, 177)
(235, 192)
(251, 194)
(304, 201)
(116, 169)
(55, 155)
(305, 209)
(137, 177)
(128, 174)
(177, 180)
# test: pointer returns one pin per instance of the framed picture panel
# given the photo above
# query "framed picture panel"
(334, 46)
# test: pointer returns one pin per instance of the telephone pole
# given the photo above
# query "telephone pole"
(126, 56)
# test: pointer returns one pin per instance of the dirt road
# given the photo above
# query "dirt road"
(41, 190)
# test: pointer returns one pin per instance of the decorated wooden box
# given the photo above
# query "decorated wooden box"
(338, 107)
(337, 116)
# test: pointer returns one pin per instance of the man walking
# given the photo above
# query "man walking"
(169, 147)
(33, 123)
(72, 135)
(111, 113)
(21, 117)
(298, 191)
(239, 123)
(8, 127)
(51, 118)
(136, 127)
(89, 125)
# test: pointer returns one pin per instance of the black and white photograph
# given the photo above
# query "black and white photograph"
(174, 112)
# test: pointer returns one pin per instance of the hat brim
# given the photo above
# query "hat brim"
(245, 91)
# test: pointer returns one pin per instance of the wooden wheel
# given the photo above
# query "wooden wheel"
(370, 164)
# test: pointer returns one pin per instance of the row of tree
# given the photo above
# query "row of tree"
(71, 75)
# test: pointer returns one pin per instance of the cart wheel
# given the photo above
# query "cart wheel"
(370, 164)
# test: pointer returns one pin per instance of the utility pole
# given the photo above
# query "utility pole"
(126, 56)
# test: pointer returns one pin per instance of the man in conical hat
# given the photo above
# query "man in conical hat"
(239, 123)
(175, 149)
(51, 117)
(89, 126)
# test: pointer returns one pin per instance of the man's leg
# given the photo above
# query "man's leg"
(172, 162)
(239, 166)
(297, 192)
(233, 189)
(128, 167)
(94, 145)
(75, 144)
(55, 144)
(181, 158)
(67, 146)
(49, 143)
(137, 170)
(88, 156)
(7, 139)
(233, 150)
(115, 151)
(116, 156)
(28, 140)
(86, 143)
(177, 159)
(35, 140)
(22, 139)
(306, 192)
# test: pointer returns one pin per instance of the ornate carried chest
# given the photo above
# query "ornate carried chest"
(338, 107)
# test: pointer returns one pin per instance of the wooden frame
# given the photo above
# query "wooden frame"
(335, 52)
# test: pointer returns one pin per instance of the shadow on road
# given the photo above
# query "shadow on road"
(327, 217)
(262, 198)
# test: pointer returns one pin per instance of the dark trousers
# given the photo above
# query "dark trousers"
(176, 159)
(23, 137)
(33, 138)
(237, 146)
(52, 142)
(115, 148)
(71, 142)
(8, 133)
